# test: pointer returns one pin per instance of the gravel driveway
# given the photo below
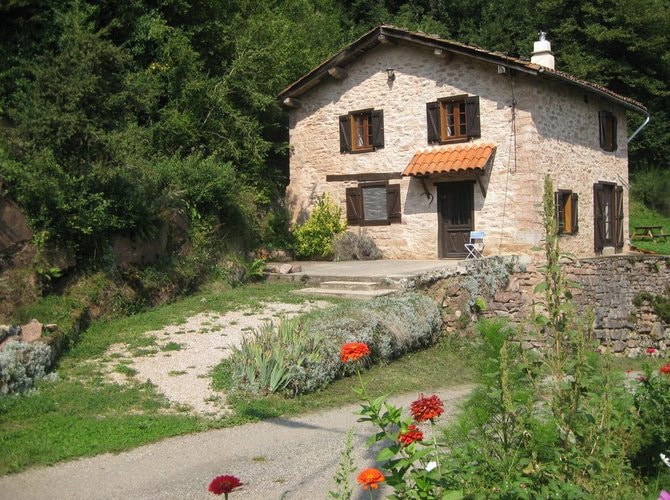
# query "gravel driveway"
(279, 458)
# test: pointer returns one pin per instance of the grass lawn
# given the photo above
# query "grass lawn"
(82, 414)
(643, 216)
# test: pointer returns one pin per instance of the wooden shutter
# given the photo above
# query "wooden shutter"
(377, 118)
(574, 199)
(558, 211)
(393, 203)
(472, 123)
(598, 217)
(618, 221)
(345, 134)
(433, 121)
(608, 130)
(354, 206)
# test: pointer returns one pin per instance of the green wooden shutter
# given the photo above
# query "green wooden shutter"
(345, 134)
(354, 206)
(393, 210)
(575, 213)
(377, 117)
(472, 123)
(598, 217)
(433, 121)
(618, 221)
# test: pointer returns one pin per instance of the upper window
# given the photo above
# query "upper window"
(566, 211)
(453, 119)
(373, 203)
(362, 131)
(608, 131)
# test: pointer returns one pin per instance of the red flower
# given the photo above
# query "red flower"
(224, 484)
(651, 350)
(413, 434)
(665, 369)
(354, 351)
(370, 478)
(426, 408)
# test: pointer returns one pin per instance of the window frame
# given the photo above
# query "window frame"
(468, 118)
(373, 128)
(355, 201)
(608, 228)
(567, 211)
(607, 127)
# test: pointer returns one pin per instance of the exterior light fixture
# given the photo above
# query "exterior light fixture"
(390, 73)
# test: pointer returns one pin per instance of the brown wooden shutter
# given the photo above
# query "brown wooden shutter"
(618, 221)
(345, 134)
(598, 217)
(433, 121)
(393, 210)
(608, 130)
(354, 206)
(558, 212)
(575, 217)
(613, 133)
(377, 117)
(472, 123)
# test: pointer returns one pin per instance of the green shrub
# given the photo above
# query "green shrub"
(651, 187)
(301, 356)
(22, 364)
(652, 401)
(315, 237)
(353, 246)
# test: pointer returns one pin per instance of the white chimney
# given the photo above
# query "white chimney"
(542, 53)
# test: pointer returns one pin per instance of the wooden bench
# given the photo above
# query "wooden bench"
(648, 232)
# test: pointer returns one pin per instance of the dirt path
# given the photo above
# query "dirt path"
(291, 458)
(180, 363)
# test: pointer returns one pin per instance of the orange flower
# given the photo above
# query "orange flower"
(353, 351)
(426, 408)
(370, 478)
(665, 369)
(413, 434)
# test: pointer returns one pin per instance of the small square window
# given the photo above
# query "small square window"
(567, 215)
(362, 131)
(453, 119)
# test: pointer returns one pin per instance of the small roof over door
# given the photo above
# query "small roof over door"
(469, 158)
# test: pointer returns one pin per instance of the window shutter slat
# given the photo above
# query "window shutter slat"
(345, 134)
(618, 228)
(354, 210)
(472, 122)
(433, 121)
(601, 124)
(598, 216)
(575, 215)
(613, 132)
(377, 117)
(393, 203)
(558, 212)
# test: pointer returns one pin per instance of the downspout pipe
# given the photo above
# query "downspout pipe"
(639, 129)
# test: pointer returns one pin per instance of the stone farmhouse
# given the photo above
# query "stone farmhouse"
(422, 140)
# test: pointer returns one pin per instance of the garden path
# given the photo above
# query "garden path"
(180, 362)
(292, 458)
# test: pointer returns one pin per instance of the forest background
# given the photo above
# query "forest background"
(121, 117)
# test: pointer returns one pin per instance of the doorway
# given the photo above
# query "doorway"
(455, 208)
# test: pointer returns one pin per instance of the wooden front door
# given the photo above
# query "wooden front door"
(455, 207)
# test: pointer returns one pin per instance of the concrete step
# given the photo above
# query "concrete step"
(345, 293)
(353, 285)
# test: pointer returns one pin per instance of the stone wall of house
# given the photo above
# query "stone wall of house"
(612, 288)
(553, 128)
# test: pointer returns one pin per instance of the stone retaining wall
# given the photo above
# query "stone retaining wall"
(610, 287)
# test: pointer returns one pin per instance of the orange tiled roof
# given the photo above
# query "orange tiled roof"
(451, 159)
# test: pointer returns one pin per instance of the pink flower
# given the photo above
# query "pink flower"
(664, 495)
(651, 350)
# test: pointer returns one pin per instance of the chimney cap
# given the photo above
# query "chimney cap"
(542, 35)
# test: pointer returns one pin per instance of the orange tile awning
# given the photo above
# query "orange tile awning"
(451, 159)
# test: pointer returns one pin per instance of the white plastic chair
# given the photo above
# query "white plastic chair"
(476, 245)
